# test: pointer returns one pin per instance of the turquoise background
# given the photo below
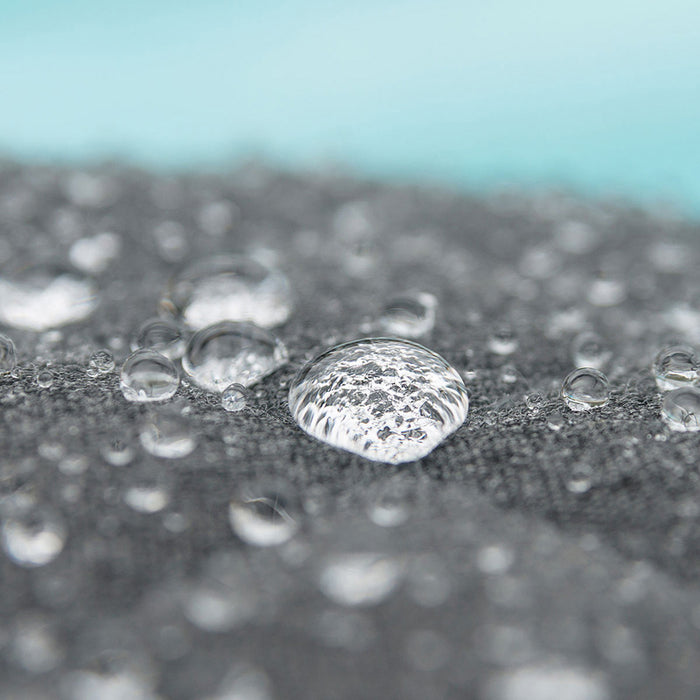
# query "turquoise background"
(600, 96)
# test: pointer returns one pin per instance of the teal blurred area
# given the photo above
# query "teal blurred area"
(602, 96)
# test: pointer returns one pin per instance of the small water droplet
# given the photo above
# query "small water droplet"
(45, 296)
(232, 353)
(681, 409)
(410, 315)
(146, 499)
(509, 374)
(93, 255)
(162, 335)
(32, 536)
(265, 516)
(676, 366)
(234, 398)
(168, 434)
(589, 350)
(503, 341)
(100, 362)
(384, 399)
(585, 388)
(44, 378)
(8, 355)
(391, 506)
(580, 478)
(171, 240)
(534, 402)
(230, 288)
(117, 453)
(555, 421)
(148, 376)
(360, 578)
(548, 683)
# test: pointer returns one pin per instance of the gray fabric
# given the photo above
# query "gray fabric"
(509, 582)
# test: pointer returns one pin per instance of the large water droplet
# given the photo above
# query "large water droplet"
(45, 296)
(148, 376)
(32, 536)
(681, 409)
(162, 335)
(585, 388)
(676, 366)
(410, 315)
(8, 355)
(264, 517)
(230, 288)
(361, 578)
(232, 353)
(384, 399)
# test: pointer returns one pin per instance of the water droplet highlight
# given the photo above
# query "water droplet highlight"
(585, 388)
(230, 288)
(232, 353)
(681, 409)
(162, 335)
(148, 376)
(234, 398)
(167, 434)
(589, 350)
(675, 367)
(45, 296)
(387, 400)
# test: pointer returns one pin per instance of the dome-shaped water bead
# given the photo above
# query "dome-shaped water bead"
(676, 366)
(148, 376)
(585, 388)
(681, 409)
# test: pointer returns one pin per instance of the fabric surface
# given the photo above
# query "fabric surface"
(536, 553)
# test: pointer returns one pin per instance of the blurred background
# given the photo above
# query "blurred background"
(601, 97)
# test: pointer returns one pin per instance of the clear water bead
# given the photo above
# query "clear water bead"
(162, 335)
(264, 517)
(585, 388)
(384, 399)
(167, 434)
(44, 378)
(8, 355)
(676, 366)
(100, 362)
(234, 398)
(232, 353)
(681, 409)
(45, 296)
(230, 288)
(148, 376)
(410, 315)
(589, 350)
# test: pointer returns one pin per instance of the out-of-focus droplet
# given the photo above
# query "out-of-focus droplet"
(100, 362)
(391, 505)
(32, 536)
(681, 409)
(360, 578)
(8, 355)
(232, 353)
(146, 499)
(589, 350)
(676, 366)
(118, 453)
(162, 335)
(148, 376)
(234, 398)
(555, 421)
(386, 400)
(503, 341)
(168, 434)
(548, 683)
(410, 315)
(230, 288)
(585, 388)
(171, 240)
(44, 378)
(93, 255)
(264, 516)
(580, 478)
(45, 296)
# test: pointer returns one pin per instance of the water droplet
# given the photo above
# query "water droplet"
(681, 409)
(93, 255)
(589, 350)
(548, 683)
(264, 517)
(362, 578)
(234, 398)
(555, 421)
(232, 353)
(45, 296)
(392, 505)
(494, 559)
(503, 341)
(148, 376)
(409, 316)
(32, 536)
(8, 355)
(117, 453)
(534, 402)
(146, 499)
(171, 240)
(167, 433)
(100, 362)
(675, 367)
(387, 400)
(606, 292)
(580, 478)
(44, 378)
(162, 335)
(230, 288)
(509, 374)
(585, 388)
